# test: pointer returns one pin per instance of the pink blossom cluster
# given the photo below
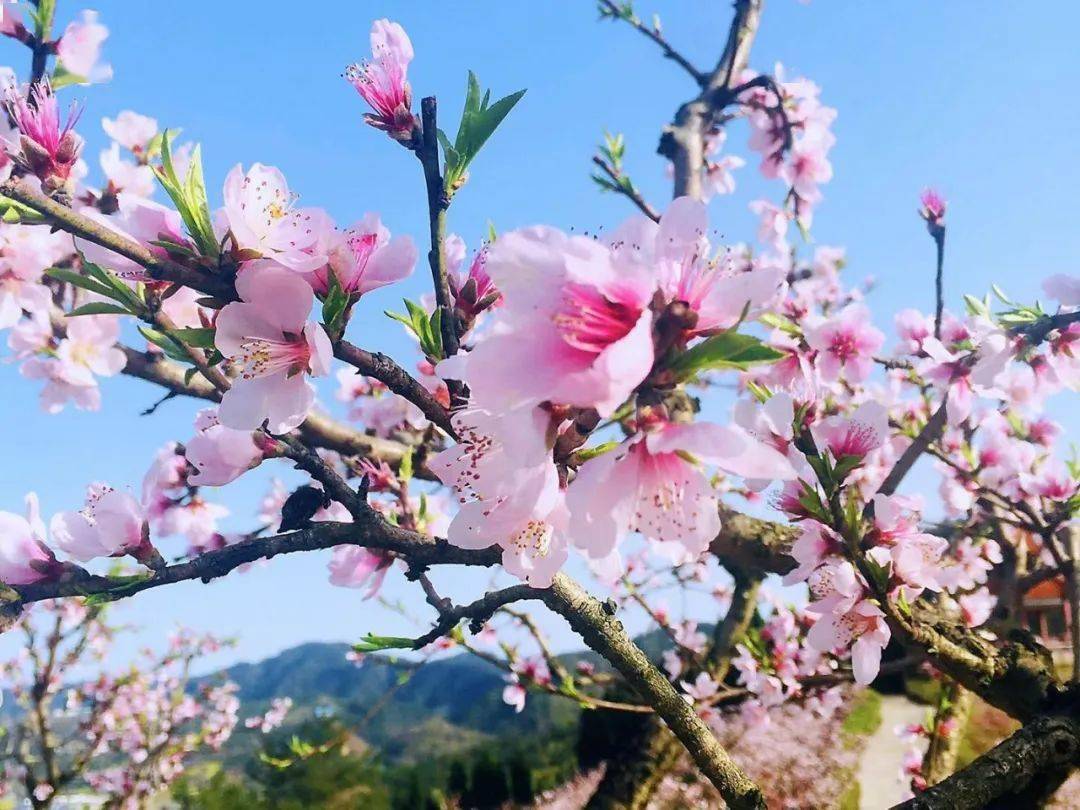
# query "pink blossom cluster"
(133, 731)
(581, 326)
(773, 662)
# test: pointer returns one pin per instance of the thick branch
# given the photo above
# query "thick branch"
(1003, 776)
(605, 634)
(319, 430)
(372, 532)
(386, 371)
(75, 223)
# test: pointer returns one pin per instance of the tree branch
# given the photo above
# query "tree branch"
(1002, 776)
(162, 269)
(610, 9)
(605, 634)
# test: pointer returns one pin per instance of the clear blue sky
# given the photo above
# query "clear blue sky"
(971, 96)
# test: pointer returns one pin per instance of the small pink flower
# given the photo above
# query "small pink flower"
(80, 47)
(219, 454)
(772, 229)
(846, 342)
(977, 606)
(1064, 289)
(260, 215)
(267, 335)
(111, 524)
(860, 433)
(24, 557)
(383, 81)
(679, 254)
(508, 488)
(355, 567)
(364, 258)
(932, 208)
(131, 130)
(648, 485)
(47, 150)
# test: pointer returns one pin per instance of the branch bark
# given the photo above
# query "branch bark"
(605, 634)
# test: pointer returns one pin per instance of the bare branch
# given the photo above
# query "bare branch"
(654, 34)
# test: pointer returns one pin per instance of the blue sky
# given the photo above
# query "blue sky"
(970, 96)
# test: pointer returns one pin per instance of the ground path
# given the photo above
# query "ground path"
(879, 768)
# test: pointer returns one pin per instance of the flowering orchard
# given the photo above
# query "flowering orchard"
(556, 407)
(125, 735)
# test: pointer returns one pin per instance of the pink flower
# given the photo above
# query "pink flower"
(772, 230)
(1064, 289)
(865, 624)
(846, 341)
(111, 524)
(860, 433)
(573, 328)
(197, 521)
(648, 485)
(87, 352)
(474, 291)
(355, 567)
(24, 557)
(267, 335)
(913, 328)
(80, 46)
(813, 545)
(131, 130)
(932, 207)
(47, 150)
(383, 81)
(508, 487)
(18, 294)
(977, 606)
(806, 167)
(219, 454)
(364, 258)
(143, 221)
(678, 253)
(702, 689)
(125, 175)
(514, 694)
(260, 215)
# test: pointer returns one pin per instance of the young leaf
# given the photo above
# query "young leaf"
(196, 337)
(725, 350)
(173, 350)
(98, 308)
(479, 120)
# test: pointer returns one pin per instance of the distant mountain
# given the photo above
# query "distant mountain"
(408, 714)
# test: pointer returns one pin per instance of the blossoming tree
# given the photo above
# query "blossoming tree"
(124, 735)
(563, 400)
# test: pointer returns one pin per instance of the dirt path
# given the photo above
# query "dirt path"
(879, 768)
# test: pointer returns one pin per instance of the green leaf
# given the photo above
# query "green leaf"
(173, 349)
(406, 468)
(585, 453)
(80, 281)
(479, 120)
(197, 337)
(373, 643)
(62, 77)
(188, 196)
(725, 350)
(98, 308)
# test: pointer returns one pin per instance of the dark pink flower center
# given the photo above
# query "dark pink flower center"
(590, 321)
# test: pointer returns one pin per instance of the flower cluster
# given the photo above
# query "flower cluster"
(582, 328)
